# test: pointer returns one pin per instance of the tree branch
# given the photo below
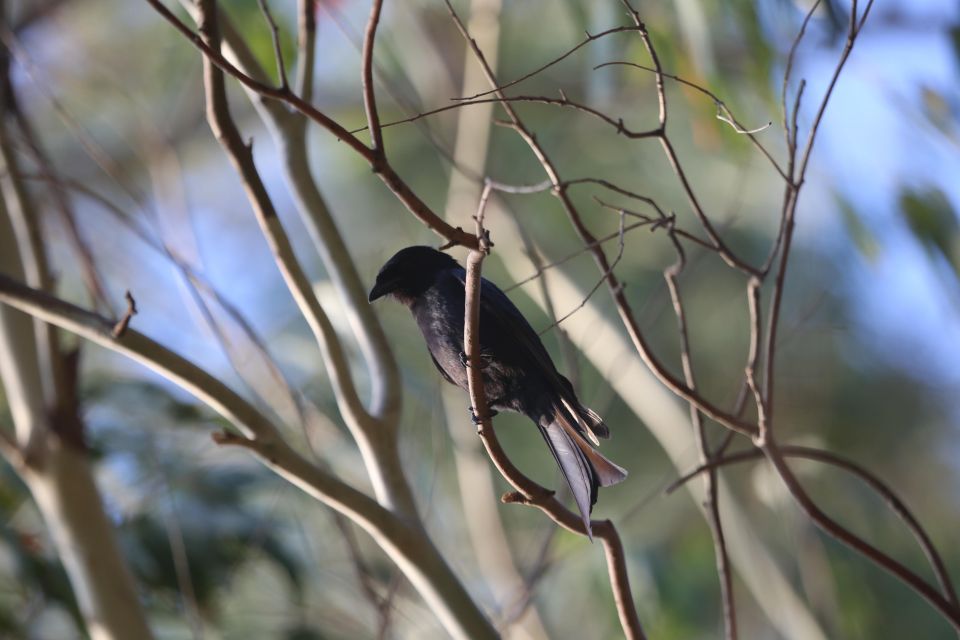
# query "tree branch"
(529, 492)
(369, 94)
(405, 542)
(383, 169)
(710, 485)
(613, 284)
(392, 493)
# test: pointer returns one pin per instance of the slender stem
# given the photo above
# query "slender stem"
(277, 46)
(383, 169)
(711, 502)
(613, 283)
(895, 504)
(406, 543)
(528, 491)
(306, 47)
(369, 95)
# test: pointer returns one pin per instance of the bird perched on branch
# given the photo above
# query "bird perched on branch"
(518, 373)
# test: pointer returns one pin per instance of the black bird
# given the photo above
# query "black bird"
(518, 373)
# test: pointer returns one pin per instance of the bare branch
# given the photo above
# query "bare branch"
(394, 491)
(405, 543)
(711, 502)
(498, 89)
(92, 277)
(542, 268)
(369, 97)
(306, 47)
(527, 491)
(120, 327)
(603, 278)
(722, 108)
(383, 169)
(947, 606)
(790, 208)
(277, 47)
(613, 284)
(788, 71)
(562, 101)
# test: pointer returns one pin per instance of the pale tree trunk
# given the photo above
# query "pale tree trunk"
(48, 454)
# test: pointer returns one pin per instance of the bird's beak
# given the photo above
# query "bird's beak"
(380, 289)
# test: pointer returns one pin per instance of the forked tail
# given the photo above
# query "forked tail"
(583, 467)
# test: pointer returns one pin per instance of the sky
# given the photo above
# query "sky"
(874, 141)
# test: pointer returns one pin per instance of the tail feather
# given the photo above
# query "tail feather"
(575, 467)
(593, 425)
(584, 468)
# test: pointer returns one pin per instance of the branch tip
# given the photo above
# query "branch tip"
(120, 327)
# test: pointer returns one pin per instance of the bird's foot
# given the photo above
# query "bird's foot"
(475, 419)
(484, 360)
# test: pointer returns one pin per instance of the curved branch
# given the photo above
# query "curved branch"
(288, 131)
(369, 95)
(709, 409)
(383, 169)
(562, 101)
(406, 543)
(710, 485)
(830, 526)
(528, 491)
(390, 487)
(721, 106)
(498, 89)
(894, 503)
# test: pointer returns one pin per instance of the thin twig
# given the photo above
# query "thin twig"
(599, 283)
(656, 223)
(590, 38)
(365, 577)
(827, 524)
(200, 288)
(369, 95)
(790, 206)
(93, 279)
(120, 327)
(711, 503)
(527, 491)
(383, 169)
(562, 101)
(722, 109)
(613, 284)
(719, 245)
(895, 504)
(277, 48)
(540, 269)
(788, 71)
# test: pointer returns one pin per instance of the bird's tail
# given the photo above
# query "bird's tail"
(583, 467)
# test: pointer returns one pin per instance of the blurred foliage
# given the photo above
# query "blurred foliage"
(267, 562)
(934, 222)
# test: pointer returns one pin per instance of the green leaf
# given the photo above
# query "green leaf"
(933, 221)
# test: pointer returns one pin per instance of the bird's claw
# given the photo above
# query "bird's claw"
(465, 360)
(475, 419)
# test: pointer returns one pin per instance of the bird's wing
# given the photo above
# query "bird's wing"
(443, 372)
(505, 332)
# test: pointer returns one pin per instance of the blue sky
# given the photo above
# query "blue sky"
(874, 141)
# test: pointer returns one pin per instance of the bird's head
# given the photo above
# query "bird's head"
(410, 272)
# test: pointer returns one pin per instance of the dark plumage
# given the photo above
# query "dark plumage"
(518, 372)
